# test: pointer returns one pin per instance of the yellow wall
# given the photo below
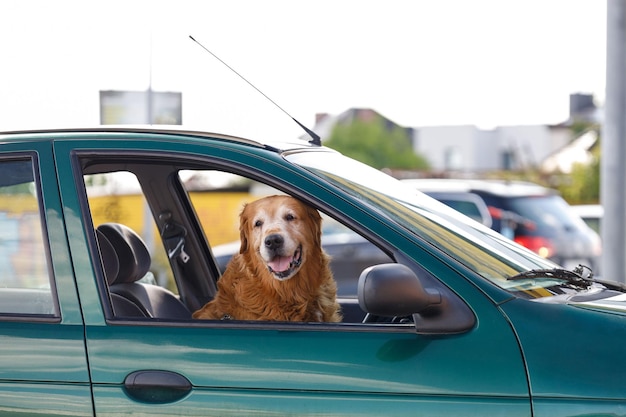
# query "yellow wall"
(125, 209)
(218, 212)
(19, 203)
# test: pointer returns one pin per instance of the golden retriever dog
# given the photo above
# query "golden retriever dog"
(281, 272)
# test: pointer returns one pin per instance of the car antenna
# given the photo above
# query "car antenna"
(315, 139)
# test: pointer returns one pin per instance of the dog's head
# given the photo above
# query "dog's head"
(282, 232)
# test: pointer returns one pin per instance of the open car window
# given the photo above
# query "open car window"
(180, 226)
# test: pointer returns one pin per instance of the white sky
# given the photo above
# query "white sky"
(483, 62)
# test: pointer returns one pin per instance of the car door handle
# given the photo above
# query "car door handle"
(158, 387)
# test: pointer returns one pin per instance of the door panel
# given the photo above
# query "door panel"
(290, 370)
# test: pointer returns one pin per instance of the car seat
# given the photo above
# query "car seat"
(126, 260)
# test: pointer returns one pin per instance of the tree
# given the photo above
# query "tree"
(377, 144)
(582, 185)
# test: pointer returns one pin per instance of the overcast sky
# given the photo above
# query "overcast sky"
(419, 63)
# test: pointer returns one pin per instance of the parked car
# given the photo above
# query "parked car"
(591, 214)
(533, 216)
(107, 248)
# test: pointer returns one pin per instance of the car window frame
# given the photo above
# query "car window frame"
(259, 168)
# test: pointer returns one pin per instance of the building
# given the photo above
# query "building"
(467, 148)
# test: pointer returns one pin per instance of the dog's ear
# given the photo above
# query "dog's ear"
(316, 221)
(243, 230)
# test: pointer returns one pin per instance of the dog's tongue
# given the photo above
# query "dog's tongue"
(280, 263)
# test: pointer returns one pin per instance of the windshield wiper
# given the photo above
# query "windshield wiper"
(574, 277)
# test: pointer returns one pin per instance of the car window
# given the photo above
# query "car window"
(188, 224)
(25, 277)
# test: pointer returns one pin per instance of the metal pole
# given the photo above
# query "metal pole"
(613, 163)
(149, 94)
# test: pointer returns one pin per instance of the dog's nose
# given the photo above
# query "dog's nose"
(274, 241)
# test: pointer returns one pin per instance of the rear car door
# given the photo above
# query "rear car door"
(43, 366)
(164, 366)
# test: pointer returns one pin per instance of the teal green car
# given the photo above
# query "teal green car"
(106, 248)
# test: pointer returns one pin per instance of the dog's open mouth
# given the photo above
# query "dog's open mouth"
(283, 267)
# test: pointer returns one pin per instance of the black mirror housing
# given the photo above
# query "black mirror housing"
(393, 290)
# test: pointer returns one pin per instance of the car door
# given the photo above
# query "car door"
(171, 367)
(43, 367)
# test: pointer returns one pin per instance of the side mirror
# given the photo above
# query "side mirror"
(393, 290)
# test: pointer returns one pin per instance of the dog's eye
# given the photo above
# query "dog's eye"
(289, 217)
(258, 223)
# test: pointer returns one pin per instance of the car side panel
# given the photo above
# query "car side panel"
(563, 373)
(309, 372)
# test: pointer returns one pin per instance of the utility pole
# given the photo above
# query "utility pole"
(613, 163)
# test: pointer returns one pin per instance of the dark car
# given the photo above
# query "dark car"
(533, 216)
(107, 247)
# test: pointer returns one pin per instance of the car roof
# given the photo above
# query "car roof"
(139, 131)
(496, 187)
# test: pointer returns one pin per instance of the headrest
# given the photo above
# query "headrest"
(109, 257)
(133, 258)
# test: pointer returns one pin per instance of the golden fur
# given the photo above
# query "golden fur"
(281, 272)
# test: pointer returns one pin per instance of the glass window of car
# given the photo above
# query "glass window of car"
(25, 278)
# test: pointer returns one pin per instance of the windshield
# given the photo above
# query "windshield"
(486, 252)
(549, 213)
